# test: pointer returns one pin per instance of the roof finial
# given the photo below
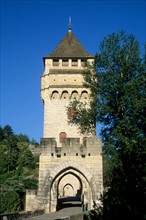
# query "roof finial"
(69, 25)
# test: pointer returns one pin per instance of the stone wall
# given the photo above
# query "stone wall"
(76, 166)
(31, 200)
(60, 85)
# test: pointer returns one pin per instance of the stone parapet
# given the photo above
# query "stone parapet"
(71, 147)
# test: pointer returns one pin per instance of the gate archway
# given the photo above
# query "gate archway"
(80, 184)
(68, 190)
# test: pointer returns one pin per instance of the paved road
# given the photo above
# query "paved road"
(67, 206)
(56, 215)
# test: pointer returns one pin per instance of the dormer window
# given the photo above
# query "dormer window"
(74, 62)
(55, 62)
(64, 62)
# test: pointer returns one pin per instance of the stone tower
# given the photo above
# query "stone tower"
(62, 82)
(70, 163)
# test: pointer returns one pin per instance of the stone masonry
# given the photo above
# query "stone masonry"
(70, 164)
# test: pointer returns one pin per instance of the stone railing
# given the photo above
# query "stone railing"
(21, 215)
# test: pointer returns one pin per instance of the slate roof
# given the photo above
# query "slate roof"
(69, 47)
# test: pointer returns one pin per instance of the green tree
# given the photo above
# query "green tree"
(3, 161)
(8, 131)
(119, 77)
(18, 170)
(1, 133)
(9, 202)
(12, 151)
(26, 159)
(22, 138)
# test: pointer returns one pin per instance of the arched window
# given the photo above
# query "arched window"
(74, 95)
(84, 95)
(64, 95)
(55, 95)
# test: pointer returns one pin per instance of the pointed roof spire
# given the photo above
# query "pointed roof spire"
(69, 47)
(69, 25)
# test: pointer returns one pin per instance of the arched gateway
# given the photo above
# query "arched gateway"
(70, 164)
(70, 182)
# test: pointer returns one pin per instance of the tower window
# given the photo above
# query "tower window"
(55, 95)
(83, 62)
(75, 62)
(55, 62)
(84, 95)
(74, 95)
(72, 114)
(64, 95)
(62, 136)
(65, 62)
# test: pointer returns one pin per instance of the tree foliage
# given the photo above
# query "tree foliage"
(118, 76)
(18, 169)
(10, 202)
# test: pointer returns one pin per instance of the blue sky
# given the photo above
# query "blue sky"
(32, 29)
